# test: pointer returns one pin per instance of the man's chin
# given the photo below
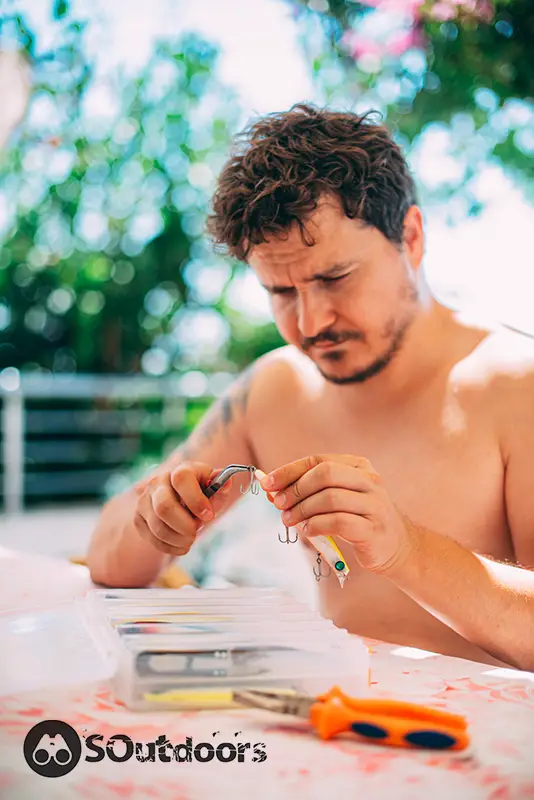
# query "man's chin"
(344, 375)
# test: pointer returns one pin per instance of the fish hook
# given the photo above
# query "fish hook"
(317, 571)
(287, 540)
(254, 485)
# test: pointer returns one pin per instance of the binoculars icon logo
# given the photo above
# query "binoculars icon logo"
(52, 748)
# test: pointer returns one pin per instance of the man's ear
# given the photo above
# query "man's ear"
(414, 237)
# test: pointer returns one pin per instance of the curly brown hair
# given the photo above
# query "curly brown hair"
(288, 161)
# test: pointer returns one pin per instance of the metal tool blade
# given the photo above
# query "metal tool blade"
(279, 702)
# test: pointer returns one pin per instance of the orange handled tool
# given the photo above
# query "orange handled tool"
(388, 722)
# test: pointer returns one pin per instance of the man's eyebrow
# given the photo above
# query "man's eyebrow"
(331, 272)
(336, 269)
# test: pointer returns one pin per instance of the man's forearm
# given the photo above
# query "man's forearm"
(489, 603)
(117, 555)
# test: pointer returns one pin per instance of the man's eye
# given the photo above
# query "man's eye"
(338, 278)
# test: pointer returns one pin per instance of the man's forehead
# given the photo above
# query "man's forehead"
(294, 257)
(321, 236)
(269, 261)
(283, 254)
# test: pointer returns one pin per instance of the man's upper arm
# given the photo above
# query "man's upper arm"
(518, 446)
(222, 435)
(225, 433)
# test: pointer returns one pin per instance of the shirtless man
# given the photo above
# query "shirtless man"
(393, 426)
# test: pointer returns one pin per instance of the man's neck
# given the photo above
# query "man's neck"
(433, 343)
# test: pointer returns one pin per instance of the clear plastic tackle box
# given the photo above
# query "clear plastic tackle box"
(192, 647)
(180, 648)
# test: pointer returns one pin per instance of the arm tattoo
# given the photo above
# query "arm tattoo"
(221, 415)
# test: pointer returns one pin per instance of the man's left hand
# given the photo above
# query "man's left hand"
(343, 495)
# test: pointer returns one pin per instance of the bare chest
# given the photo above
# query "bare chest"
(442, 467)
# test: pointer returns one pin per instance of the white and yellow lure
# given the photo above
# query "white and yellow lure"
(329, 550)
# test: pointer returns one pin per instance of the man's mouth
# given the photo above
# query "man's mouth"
(326, 345)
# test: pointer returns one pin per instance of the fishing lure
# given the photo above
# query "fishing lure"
(328, 549)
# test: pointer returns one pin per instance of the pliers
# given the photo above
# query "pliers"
(225, 476)
(381, 721)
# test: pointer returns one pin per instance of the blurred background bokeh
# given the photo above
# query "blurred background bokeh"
(118, 322)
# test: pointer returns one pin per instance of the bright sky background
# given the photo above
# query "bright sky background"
(486, 261)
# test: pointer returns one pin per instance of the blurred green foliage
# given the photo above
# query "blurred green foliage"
(462, 68)
(103, 263)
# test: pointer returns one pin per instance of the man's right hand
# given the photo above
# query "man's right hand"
(172, 507)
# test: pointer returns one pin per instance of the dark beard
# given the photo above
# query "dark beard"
(377, 366)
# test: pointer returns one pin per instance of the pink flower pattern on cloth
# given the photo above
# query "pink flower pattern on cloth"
(499, 706)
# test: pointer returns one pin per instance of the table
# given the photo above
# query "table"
(499, 705)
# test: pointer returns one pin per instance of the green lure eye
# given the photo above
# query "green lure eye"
(339, 565)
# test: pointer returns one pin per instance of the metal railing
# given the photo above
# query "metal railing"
(65, 435)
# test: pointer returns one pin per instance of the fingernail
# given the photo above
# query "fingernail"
(280, 499)
(286, 516)
(268, 482)
(206, 514)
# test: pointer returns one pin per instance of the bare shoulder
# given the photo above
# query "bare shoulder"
(281, 374)
(503, 360)
(501, 371)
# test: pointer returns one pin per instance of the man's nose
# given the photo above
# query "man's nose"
(315, 314)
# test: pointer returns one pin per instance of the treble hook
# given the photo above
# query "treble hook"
(253, 486)
(287, 540)
(225, 476)
(317, 571)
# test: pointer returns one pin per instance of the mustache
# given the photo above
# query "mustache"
(334, 338)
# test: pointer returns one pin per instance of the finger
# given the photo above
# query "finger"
(221, 498)
(260, 475)
(326, 475)
(350, 527)
(330, 501)
(166, 506)
(146, 533)
(175, 538)
(186, 480)
(282, 477)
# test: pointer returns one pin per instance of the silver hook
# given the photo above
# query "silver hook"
(317, 571)
(226, 474)
(253, 486)
(287, 540)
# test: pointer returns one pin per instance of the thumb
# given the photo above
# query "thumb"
(260, 474)
(221, 497)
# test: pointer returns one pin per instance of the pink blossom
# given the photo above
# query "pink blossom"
(448, 9)
(442, 11)
(359, 46)
(395, 5)
(398, 44)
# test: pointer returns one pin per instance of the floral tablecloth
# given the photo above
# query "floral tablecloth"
(499, 705)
